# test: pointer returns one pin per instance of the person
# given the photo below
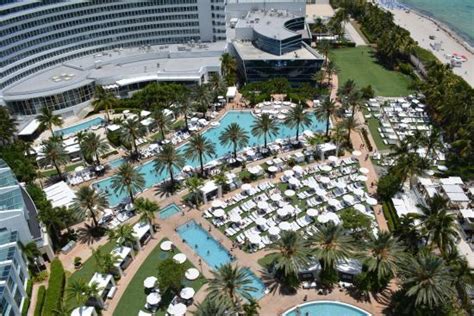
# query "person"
(208, 252)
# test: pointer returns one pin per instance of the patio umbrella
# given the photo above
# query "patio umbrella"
(293, 181)
(320, 192)
(359, 192)
(218, 204)
(187, 293)
(284, 226)
(150, 282)
(177, 309)
(362, 178)
(348, 198)
(371, 201)
(274, 230)
(263, 205)
(298, 169)
(324, 180)
(272, 169)
(219, 213)
(255, 239)
(356, 153)
(129, 207)
(329, 216)
(192, 274)
(246, 187)
(282, 212)
(325, 168)
(312, 212)
(236, 218)
(341, 185)
(180, 258)
(153, 298)
(333, 202)
(275, 197)
(289, 193)
(166, 245)
(359, 207)
(288, 173)
(187, 168)
(364, 170)
(333, 159)
(260, 221)
(269, 162)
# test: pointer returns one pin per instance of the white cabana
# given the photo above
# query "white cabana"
(208, 188)
(254, 239)
(166, 245)
(294, 182)
(263, 205)
(187, 293)
(179, 258)
(150, 282)
(231, 93)
(60, 194)
(191, 274)
(144, 113)
(177, 309)
(104, 283)
(113, 127)
(274, 230)
(153, 298)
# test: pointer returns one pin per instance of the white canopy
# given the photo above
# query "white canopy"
(311, 212)
(298, 169)
(180, 258)
(284, 226)
(84, 311)
(150, 282)
(274, 230)
(359, 207)
(288, 173)
(325, 168)
(166, 245)
(329, 216)
(209, 187)
(218, 204)
(219, 212)
(260, 221)
(153, 298)
(371, 201)
(192, 274)
(282, 212)
(231, 92)
(177, 309)
(187, 293)
(60, 194)
(290, 193)
(467, 213)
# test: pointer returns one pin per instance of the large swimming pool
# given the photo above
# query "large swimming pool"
(244, 118)
(212, 252)
(326, 308)
(80, 127)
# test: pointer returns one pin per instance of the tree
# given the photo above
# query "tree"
(168, 159)
(234, 135)
(93, 146)
(162, 121)
(128, 178)
(324, 46)
(325, 110)
(265, 126)
(408, 233)
(104, 99)
(367, 92)
(124, 235)
(229, 285)
(183, 106)
(210, 308)
(251, 308)
(388, 185)
(338, 135)
(55, 154)
(31, 252)
(358, 223)
(350, 124)
(202, 98)
(463, 276)
(55, 219)
(193, 184)
(147, 210)
(47, 119)
(298, 117)
(229, 68)
(106, 262)
(8, 125)
(347, 88)
(89, 202)
(170, 275)
(198, 148)
(131, 131)
(81, 291)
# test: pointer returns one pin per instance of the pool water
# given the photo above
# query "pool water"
(80, 127)
(213, 253)
(114, 164)
(326, 308)
(169, 211)
(245, 120)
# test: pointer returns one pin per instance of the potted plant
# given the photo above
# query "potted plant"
(77, 262)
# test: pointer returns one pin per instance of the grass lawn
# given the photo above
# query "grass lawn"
(374, 124)
(134, 299)
(69, 168)
(359, 64)
(265, 261)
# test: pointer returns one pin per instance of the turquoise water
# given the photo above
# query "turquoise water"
(212, 252)
(457, 14)
(244, 118)
(80, 127)
(169, 211)
(117, 163)
(326, 309)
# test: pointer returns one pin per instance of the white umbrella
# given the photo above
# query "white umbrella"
(246, 187)
(177, 309)
(255, 239)
(341, 185)
(364, 170)
(275, 197)
(308, 133)
(372, 201)
(333, 202)
(274, 230)
(293, 181)
(79, 168)
(311, 212)
(313, 185)
(263, 205)
(288, 173)
(289, 193)
(359, 192)
(269, 162)
(284, 226)
(166, 245)
(187, 168)
(187, 293)
(260, 221)
(192, 274)
(179, 258)
(153, 298)
(236, 218)
(348, 198)
(129, 207)
(356, 153)
(282, 212)
(320, 192)
(333, 159)
(359, 207)
(218, 204)
(324, 180)
(219, 213)
(362, 178)
(272, 169)
(150, 282)
(298, 169)
(329, 216)
(325, 168)
(250, 152)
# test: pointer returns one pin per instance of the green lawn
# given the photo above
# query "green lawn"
(374, 124)
(68, 168)
(265, 261)
(359, 64)
(134, 298)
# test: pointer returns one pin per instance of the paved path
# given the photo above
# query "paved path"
(352, 33)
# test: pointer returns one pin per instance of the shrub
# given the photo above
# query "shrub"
(26, 304)
(40, 301)
(40, 277)
(406, 69)
(388, 185)
(366, 139)
(55, 291)
(390, 215)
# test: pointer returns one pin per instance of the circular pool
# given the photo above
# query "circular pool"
(325, 308)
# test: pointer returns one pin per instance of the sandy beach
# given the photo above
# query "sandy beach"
(421, 28)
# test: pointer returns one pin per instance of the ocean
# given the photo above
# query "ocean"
(458, 15)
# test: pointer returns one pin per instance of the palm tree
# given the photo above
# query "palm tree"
(168, 159)
(338, 135)
(350, 124)
(55, 154)
(234, 135)
(202, 97)
(103, 99)
(147, 210)
(131, 131)
(77, 289)
(47, 119)
(324, 47)
(427, 281)
(162, 121)
(331, 70)
(354, 100)
(55, 219)
(183, 107)
(198, 148)
(93, 146)
(324, 112)
(229, 68)
(463, 276)
(331, 245)
(346, 89)
(8, 125)
(193, 184)
(88, 201)
(128, 178)
(229, 285)
(105, 261)
(298, 117)
(124, 235)
(265, 126)
(31, 253)
(382, 256)
(210, 308)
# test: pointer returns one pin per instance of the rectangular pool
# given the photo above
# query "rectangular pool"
(213, 253)
(169, 211)
(114, 164)
(80, 127)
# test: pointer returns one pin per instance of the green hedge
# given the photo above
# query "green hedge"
(40, 300)
(390, 215)
(55, 291)
(26, 304)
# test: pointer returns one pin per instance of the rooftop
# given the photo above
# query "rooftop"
(248, 51)
(270, 23)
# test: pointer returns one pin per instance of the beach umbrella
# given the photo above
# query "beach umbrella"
(150, 282)
(320, 192)
(153, 298)
(282, 212)
(325, 168)
(371, 201)
(298, 169)
(192, 274)
(333, 159)
(333, 202)
(255, 239)
(269, 162)
(288, 173)
(275, 197)
(324, 180)
(364, 170)
(293, 181)
(219, 213)
(236, 218)
(187, 168)
(356, 153)
(348, 198)
(177, 309)
(362, 178)
(79, 168)
(290, 193)
(260, 221)
(329, 216)
(272, 169)
(129, 207)
(263, 205)
(187, 293)
(312, 212)
(308, 133)
(166, 245)
(284, 226)
(180, 258)
(274, 231)
(359, 207)
(246, 187)
(313, 185)
(218, 204)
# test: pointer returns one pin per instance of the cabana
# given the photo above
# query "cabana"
(125, 256)
(148, 123)
(209, 190)
(325, 150)
(142, 230)
(84, 311)
(60, 194)
(231, 93)
(30, 131)
(348, 269)
(113, 127)
(105, 283)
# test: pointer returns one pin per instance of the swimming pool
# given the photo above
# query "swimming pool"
(114, 164)
(213, 253)
(245, 120)
(80, 127)
(169, 211)
(326, 308)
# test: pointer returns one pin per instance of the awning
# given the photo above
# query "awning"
(30, 128)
